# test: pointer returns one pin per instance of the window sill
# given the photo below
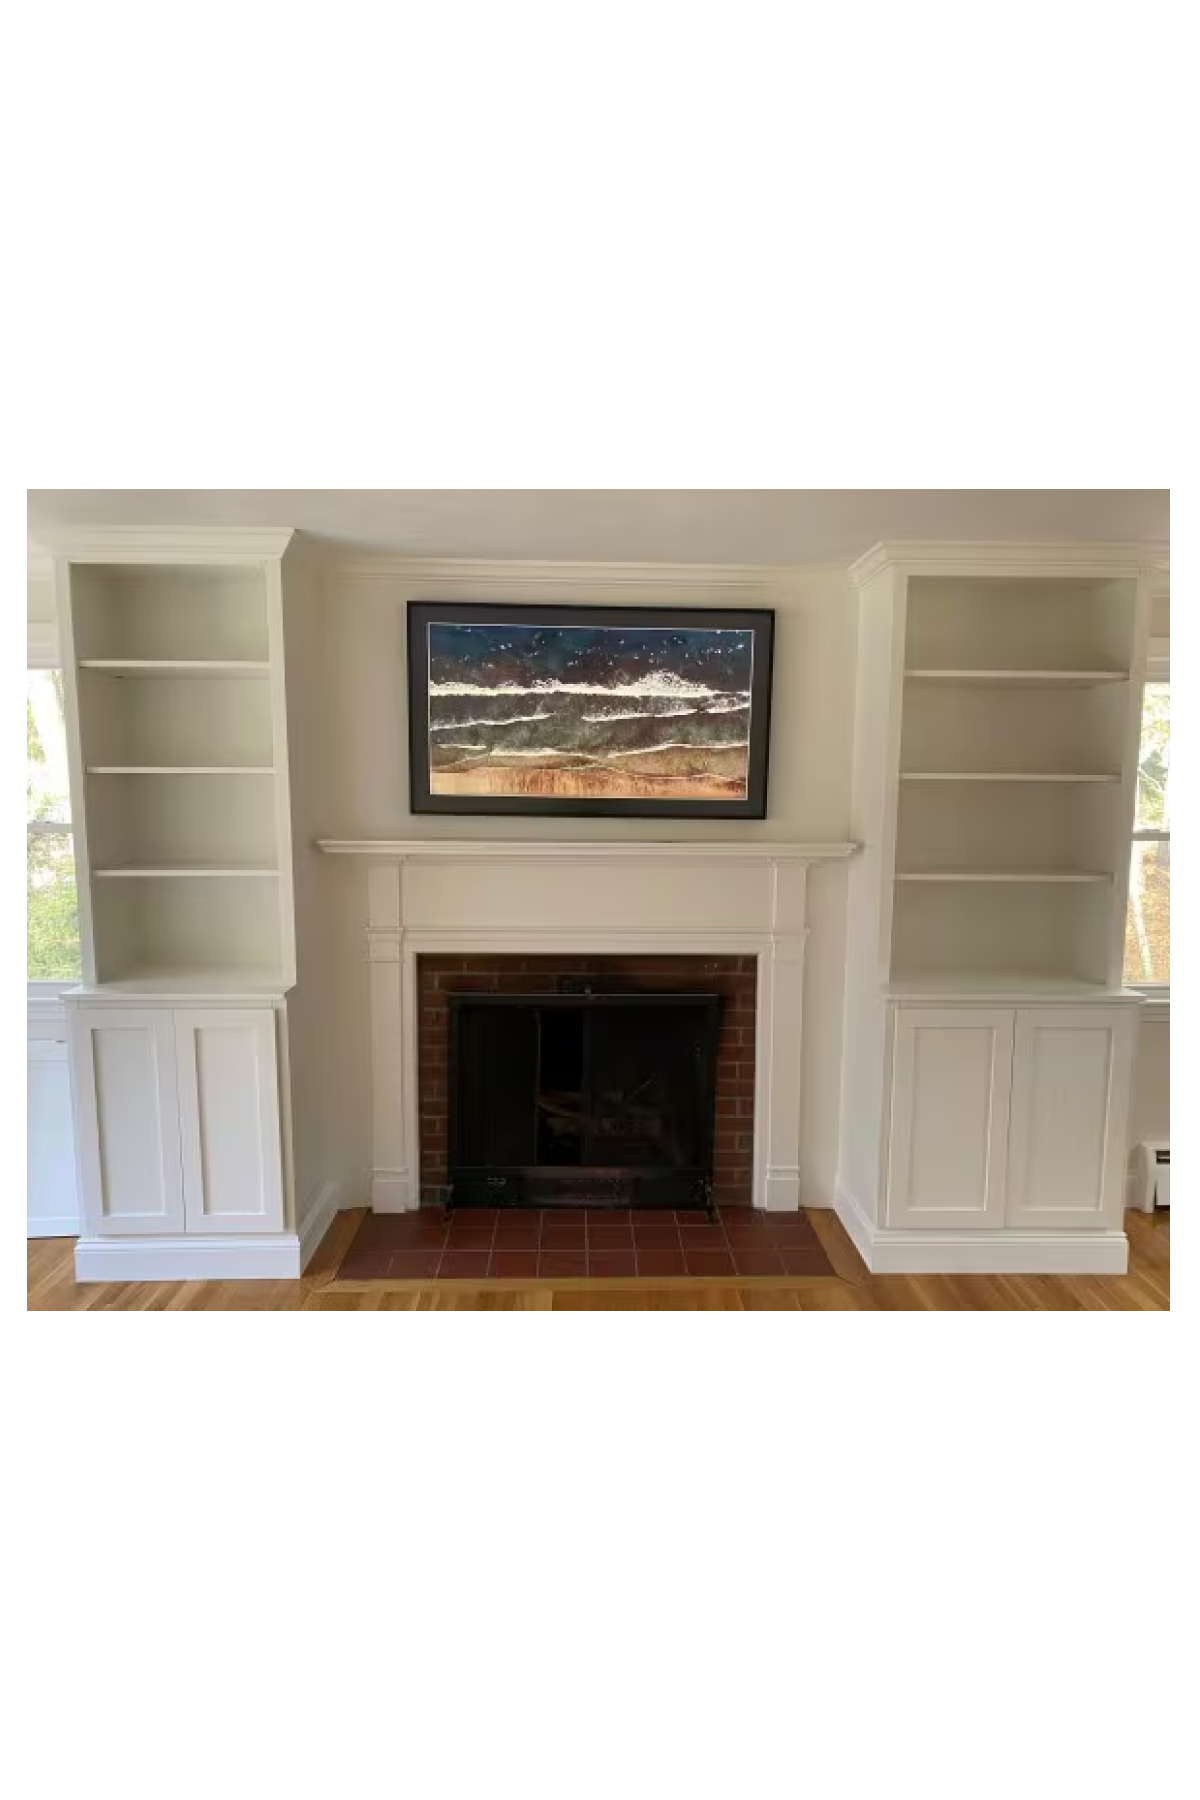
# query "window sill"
(1157, 999)
(46, 1014)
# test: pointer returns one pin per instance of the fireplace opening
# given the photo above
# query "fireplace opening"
(582, 1099)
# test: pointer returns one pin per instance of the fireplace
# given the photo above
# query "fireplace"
(455, 916)
(582, 1097)
(568, 1003)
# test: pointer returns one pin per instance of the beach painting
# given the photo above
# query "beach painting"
(585, 714)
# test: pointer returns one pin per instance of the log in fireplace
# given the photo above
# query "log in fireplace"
(582, 1099)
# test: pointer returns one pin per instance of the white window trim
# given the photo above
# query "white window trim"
(1158, 668)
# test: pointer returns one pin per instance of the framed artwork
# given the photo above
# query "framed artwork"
(587, 711)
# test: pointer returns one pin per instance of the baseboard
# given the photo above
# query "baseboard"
(333, 1198)
(895, 1252)
(54, 1225)
(273, 1258)
(781, 1190)
(393, 1190)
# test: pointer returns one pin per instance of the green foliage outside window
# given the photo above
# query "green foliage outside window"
(52, 911)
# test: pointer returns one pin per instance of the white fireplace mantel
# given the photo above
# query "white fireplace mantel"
(430, 896)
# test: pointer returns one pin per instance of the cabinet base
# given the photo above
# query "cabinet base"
(1016, 1252)
(273, 1258)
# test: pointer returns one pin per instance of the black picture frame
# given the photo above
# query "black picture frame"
(758, 620)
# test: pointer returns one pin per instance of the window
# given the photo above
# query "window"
(1148, 923)
(52, 912)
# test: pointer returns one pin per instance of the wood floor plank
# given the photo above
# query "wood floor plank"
(52, 1286)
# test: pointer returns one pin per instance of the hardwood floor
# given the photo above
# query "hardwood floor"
(1146, 1288)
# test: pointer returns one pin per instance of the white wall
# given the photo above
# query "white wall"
(366, 730)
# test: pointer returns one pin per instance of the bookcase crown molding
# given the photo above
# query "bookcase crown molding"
(942, 556)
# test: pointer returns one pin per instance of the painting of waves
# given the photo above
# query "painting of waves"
(589, 712)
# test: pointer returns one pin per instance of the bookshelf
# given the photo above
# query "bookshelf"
(174, 667)
(987, 1040)
(1014, 705)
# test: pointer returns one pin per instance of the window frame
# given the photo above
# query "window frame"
(1158, 671)
(42, 652)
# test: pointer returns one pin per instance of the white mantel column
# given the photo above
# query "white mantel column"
(395, 1181)
(777, 1053)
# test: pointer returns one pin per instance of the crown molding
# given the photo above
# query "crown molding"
(470, 576)
(948, 556)
(193, 543)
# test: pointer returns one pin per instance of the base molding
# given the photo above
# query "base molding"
(781, 1191)
(53, 1225)
(1017, 1252)
(394, 1191)
(333, 1198)
(270, 1258)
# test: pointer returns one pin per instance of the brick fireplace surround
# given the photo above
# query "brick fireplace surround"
(733, 977)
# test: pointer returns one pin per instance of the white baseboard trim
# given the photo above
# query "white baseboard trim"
(781, 1190)
(896, 1252)
(333, 1198)
(394, 1190)
(54, 1225)
(273, 1258)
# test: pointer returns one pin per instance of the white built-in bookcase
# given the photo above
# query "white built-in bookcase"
(1008, 707)
(988, 1043)
(173, 657)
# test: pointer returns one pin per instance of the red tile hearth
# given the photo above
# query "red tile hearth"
(484, 1244)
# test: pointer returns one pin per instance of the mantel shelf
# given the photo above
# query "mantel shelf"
(524, 850)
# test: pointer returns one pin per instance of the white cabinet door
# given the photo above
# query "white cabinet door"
(1072, 1078)
(127, 1120)
(229, 1119)
(948, 1141)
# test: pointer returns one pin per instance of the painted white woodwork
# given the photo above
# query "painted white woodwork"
(51, 1192)
(1035, 678)
(436, 895)
(948, 1145)
(174, 673)
(1003, 1252)
(229, 1120)
(997, 713)
(1072, 1079)
(127, 1120)
(183, 655)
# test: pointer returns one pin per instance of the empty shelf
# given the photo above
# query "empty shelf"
(180, 769)
(998, 775)
(169, 871)
(1003, 875)
(138, 666)
(1020, 677)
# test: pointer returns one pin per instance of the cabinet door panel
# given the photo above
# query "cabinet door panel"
(948, 1144)
(229, 1118)
(127, 1120)
(1072, 1071)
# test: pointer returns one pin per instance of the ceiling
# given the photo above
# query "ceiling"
(681, 525)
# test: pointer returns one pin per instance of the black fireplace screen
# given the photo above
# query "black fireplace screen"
(582, 1098)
